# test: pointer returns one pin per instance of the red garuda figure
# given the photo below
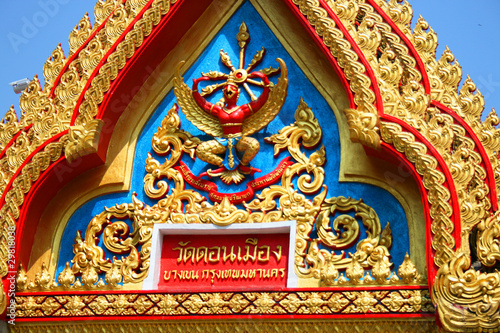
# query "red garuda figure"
(232, 124)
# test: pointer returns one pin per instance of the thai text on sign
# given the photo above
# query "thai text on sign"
(234, 261)
(215, 254)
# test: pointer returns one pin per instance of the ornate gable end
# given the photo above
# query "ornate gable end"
(290, 164)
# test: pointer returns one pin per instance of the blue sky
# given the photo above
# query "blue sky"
(30, 31)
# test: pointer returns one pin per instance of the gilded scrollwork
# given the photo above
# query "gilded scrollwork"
(349, 225)
(363, 127)
(186, 206)
(433, 180)
(169, 139)
(341, 49)
(314, 258)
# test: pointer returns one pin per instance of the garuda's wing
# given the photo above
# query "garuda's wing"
(199, 118)
(270, 109)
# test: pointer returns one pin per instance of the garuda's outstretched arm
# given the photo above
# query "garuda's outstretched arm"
(273, 101)
(259, 102)
(196, 111)
(202, 102)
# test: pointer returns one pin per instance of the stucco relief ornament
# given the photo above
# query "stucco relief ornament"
(327, 227)
(232, 125)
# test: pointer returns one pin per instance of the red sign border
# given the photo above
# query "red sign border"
(160, 230)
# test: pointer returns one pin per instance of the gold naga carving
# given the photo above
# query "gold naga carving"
(463, 303)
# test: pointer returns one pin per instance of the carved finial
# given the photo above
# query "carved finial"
(22, 279)
(100, 284)
(113, 276)
(66, 278)
(78, 238)
(89, 276)
(408, 271)
(381, 270)
(243, 36)
(367, 279)
(354, 271)
(10, 116)
(386, 236)
(342, 280)
(328, 273)
(78, 245)
(394, 279)
(138, 204)
(43, 280)
(53, 65)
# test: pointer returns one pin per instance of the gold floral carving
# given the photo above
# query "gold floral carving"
(341, 49)
(319, 258)
(322, 259)
(371, 252)
(83, 140)
(9, 212)
(433, 180)
(209, 304)
(363, 128)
